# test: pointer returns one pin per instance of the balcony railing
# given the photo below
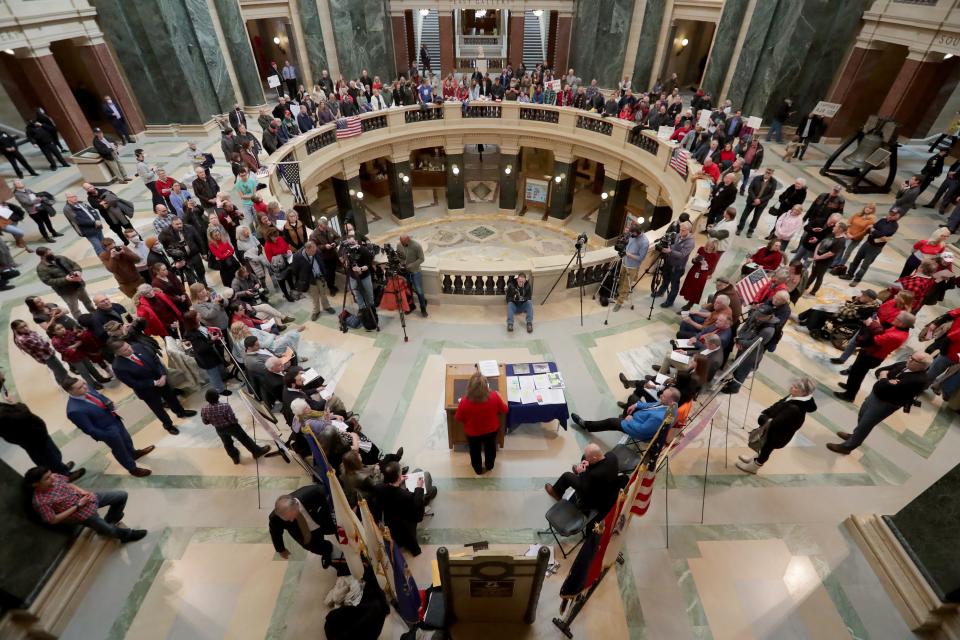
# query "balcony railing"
(482, 111)
(423, 115)
(648, 144)
(318, 142)
(374, 122)
(539, 115)
(594, 124)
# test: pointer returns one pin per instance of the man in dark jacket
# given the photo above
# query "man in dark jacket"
(206, 189)
(183, 244)
(271, 137)
(519, 299)
(792, 195)
(237, 117)
(85, 220)
(760, 325)
(403, 509)
(115, 211)
(305, 515)
(8, 146)
(309, 278)
(782, 419)
(142, 371)
(595, 481)
(108, 151)
(117, 120)
(759, 193)
(896, 388)
(37, 134)
(723, 194)
(675, 262)
(65, 277)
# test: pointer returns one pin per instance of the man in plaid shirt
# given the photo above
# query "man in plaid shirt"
(221, 417)
(57, 501)
(38, 348)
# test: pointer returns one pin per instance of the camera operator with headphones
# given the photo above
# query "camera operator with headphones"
(635, 252)
(519, 299)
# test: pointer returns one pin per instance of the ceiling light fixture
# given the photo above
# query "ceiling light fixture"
(480, 13)
(946, 57)
(10, 52)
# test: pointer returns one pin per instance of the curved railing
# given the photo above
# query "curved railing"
(623, 149)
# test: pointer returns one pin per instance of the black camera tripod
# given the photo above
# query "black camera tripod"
(578, 256)
(348, 270)
(393, 271)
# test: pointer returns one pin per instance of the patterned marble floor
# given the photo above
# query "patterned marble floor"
(719, 555)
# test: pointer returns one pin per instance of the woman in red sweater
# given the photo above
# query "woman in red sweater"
(274, 244)
(925, 249)
(768, 258)
(222, 251)
(479, 412)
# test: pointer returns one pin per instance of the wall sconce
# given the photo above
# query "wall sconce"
(456, 170)
(508, 169)
(400, 174)
(276, 40)
(406, 179)
(538, 12)
(684, 42)
(640, 220)
(604, 196)
(424, 12)
(359, 195)
(352, 192)
(557, 179)
(946, 57)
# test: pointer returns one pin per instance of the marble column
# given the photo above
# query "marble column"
(364, 37)
(924, 526)
(562, 56)
(108, 80)
(447, 50)
(600, 40)
(613, 208)
(349, 207)
(857, 91)
(778, 30)
(401, 189)
(47, 81)
(237, 41)
(653, 17)
(455, 185)
(399, 26)
(515, 38)
(509, 170)
(561, 193)
(914, 88)
(724, 43)
(188, 80)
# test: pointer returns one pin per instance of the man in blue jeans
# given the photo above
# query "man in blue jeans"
(57, 501)
(675, 263)
(784, 111)
(519, 299)
(411, 253)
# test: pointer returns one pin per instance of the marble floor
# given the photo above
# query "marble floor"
(719, 555)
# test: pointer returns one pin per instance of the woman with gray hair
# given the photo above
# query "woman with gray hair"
(779, 422)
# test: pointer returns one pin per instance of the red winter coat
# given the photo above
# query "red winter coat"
(158, 320)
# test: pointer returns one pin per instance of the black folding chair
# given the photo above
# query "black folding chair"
(565, 519)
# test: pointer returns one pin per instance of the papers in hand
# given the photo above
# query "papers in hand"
(678, 356)
(684, 343)
(327, 392)
(268, 325)
(489, 368)
(412, 480)
(660, 379)
(310, 375)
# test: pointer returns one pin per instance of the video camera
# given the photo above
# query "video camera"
(394, 261)
(354, 253)
(620, 246)
(581, 241)
(665, 241)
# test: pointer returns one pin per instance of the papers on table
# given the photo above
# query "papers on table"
(556, 380)
(489, 368)
(540, 381)
(541, 367)
(521, 369)
(528, 396)
(412, 479)
(552, 396)
(310, 375)
(527, 383)
(513, 389)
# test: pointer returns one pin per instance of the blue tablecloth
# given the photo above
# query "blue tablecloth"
(533, 413)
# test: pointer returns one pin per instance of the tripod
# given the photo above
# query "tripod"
(578, 256)
(393, 272)
(358, 295)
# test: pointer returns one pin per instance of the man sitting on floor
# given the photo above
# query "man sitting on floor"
(594, 480)
(642, 419)
(853, 311)
(403, 509)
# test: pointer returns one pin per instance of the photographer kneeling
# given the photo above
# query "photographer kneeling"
(519, 299)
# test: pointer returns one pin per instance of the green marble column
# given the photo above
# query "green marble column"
(238, 45)
(401, 192)
(600, 31)
(349, 207)
(653, 17)
(613, 209)
(927, 529)
(171, 56)
(508, 181)
(561, 197)
(721, 54)
(788, 45)
(455, 182)
(313, 36)
(364, 37)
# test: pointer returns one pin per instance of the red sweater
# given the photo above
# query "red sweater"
(481, 418)
(221, 250)
(886, 342)
(278, 247)
(767, 260)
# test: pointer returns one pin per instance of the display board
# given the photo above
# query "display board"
(536, 192)
(826, 109)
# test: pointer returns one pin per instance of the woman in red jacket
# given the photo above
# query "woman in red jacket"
(768, 258)
(479, 412)
(160, 312)
(80, 349)
(222, 251)
(925, 249)
(700, 271)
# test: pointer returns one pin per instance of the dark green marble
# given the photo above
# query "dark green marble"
(600, 26)
(171, 55)
(724, 42)
(508, 183)
(647, 48)
(313, 36)
(927, 528)
(238, 44)
(561, 194)
(401, 193)
(364, 37)
(754, 46)
(613, 210)
(454, 182)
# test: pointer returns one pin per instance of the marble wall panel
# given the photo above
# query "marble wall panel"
(363, 36)
(313, 36)
(238, 45)
(724, 42)
(213, 89)
(647, 48)
(754, 47)
(599, 39)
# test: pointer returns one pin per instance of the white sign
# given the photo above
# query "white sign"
(665, 132)
(273, 81)
(554, 84)
(294, 109)
(825, 109)
(536, 191)
(704, 121)
(754, 122)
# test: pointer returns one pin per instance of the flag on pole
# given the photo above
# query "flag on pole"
(679, 161)
(750, 286)
(349, 536)
(348, 127)
(407, 592)
(588, 565)
(375, 550)
(320, 464)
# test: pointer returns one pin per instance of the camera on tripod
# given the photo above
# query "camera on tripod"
(665, 241)
(620, 246)
(581, 241)
(394, 261)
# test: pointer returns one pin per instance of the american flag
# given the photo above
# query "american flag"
(348, 127)
(749, 287)
(290, 172)
(679, 161)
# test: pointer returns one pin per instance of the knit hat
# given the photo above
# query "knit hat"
(870, 293)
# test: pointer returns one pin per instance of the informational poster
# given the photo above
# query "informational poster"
(536, 191)
(273, 81)
(825, 109)
(665, 132)
(754, 122)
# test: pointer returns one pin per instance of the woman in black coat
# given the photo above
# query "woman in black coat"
(206, 350)
(783, 418)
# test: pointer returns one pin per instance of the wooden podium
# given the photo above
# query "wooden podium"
(458, 375)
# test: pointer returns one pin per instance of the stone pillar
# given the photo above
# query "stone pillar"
(398, 25)
(599, 41)
(509, 170)
(349, 206)
(561, 193)
(329, 42)
(724, 43)
(613, 206)
(108, 80)
(856, 82)
(363, 34)
(455, 198)
(653, 16)
(562, 56)
(448, 60)
(515, 38)
(312, 29)
(914, 88)
(401, 189)
(46, 80)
